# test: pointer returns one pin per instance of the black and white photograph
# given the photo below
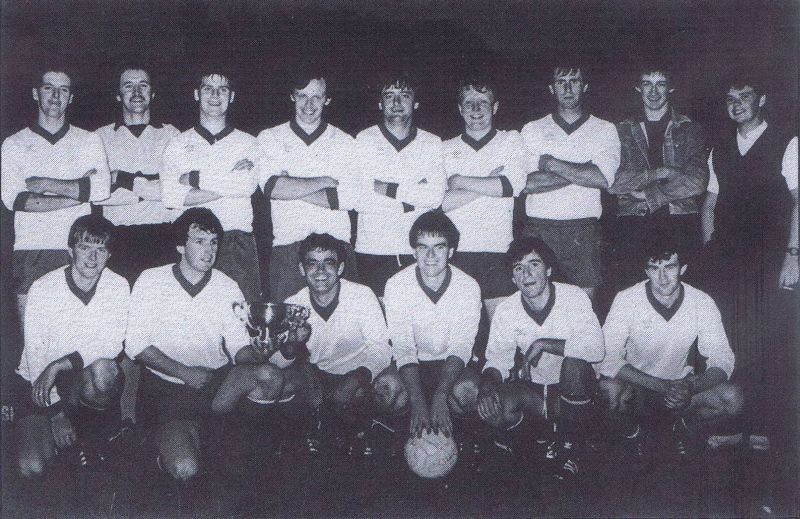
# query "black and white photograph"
(409, 259)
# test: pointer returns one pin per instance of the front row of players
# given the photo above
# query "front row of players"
(548, 361)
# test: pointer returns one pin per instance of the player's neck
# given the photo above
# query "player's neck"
(570, 115)
(656, 115)
(668, 301)
(746, 127)
(190, 274)
(325, 299)
(213, 123)
(399, 128)
(539, 302)
(133, 118)
(84, 283)
(306, 127)
(434, 282)
(478, 134)
(52, 124)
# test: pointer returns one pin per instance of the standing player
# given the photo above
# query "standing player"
(50, 172)
(661, 175)
(649, 333)
(349, 344)
(401, 176)
(432, 311)
(183, 329)
(553, 326)
(573, 156)
(69, 381)
(302, 163)
(211, 165)
(750, 224)
(485, 169)
(134, 145)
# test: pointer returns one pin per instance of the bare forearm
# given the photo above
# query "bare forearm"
(199, 196)
(707, 216)
(634, 376)
(319, 198)
(154, 358)
(410, 376)
(67, 188)
(452, 368)
(485, 186)
(36, 203)
(586, 174)
(544, 182)
(553, 346)
(708, 379)
(455, 198)
(627, 181)
(793, 222)
(295, 188)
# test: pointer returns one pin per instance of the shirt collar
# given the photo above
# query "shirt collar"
(52, 138)
(85, 297)
(308, 138)
(666, 313)
(434, 295)
(191, 289)
(567, 127)
(479, 143)
(210, 137)
(326, 311)
(119, 123)
(540, 316)
(398, 144)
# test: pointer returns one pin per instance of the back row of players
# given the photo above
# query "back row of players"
(145, 174)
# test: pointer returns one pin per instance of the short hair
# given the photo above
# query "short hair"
(132, 65)
(661, 248)
(521, 247)
(434, 223)
(204, 73)
(303, 76)
(478, 84)
(53, 67)
(401, 80)
(741, 77)
(566, 68)
(203, 217)
(315, 241)
(92, 228)
(653, 68)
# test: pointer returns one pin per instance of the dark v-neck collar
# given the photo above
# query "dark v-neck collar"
(85, 297)
(308, 138)
(326, 311)
(137, 129)
(479, 143)
(192, 290)
(666, 313)
(52, 138)
(210, 137)
(567, 127)
(398, 144)
(434, 295)
(540, 316)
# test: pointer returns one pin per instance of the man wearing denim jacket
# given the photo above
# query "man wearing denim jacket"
(662, 173)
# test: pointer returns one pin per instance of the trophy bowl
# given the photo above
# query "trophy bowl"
(270, 324)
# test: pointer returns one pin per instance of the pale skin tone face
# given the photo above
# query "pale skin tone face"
(477, 109)
(135, 92)
(310, 102)
(569, 89)
(200, 251)
(89, 258)
(744, 106)
(321, 270)
(665, 277)
(214, 95)
(532, 277)
(654, 89)
(432, 254)
(397, 105)
(54, 95)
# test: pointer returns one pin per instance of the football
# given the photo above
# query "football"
(432, 455)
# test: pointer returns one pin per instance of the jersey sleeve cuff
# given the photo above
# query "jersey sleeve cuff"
(407, 208)
(194, 179)
(391, 189)
(124, 181)
(333, 197)
(508, 190)
(84, 189)
(269, 185)
(76, 360)
(21, 200)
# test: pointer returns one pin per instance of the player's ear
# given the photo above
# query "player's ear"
(340, 270)
(302, 269)
(416, 105)
(292, 98)
(196, 95)
(762, 100)
(549, 271)
(35, 92)
(585, 87)
(550, 88)
(327, 101)
(638, 88)
(231, 96)
(152, 96)
(495, 107)
(450, 252)
(69, 99)
(118, 98)
(181, 249)
(380, 104)
(683, 269)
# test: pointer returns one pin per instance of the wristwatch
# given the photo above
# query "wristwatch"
(792, 251)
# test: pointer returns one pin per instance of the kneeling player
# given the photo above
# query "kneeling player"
(648, 372)
(185, 332)
(432, 311)
(349, 352)
(69, 379)
(553, 326)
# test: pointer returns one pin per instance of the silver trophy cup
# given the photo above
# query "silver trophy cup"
(270, 324)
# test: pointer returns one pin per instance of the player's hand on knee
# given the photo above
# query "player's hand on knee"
(197, 377)
(440, 414)
(420, 420)
(63, 432)
(678, 395)
(490, 405)
(42, 386)
(345, 393)
(301, 333)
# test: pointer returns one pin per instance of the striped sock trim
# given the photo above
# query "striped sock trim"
(266, 402)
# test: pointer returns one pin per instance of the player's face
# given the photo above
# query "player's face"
(433, 254)
(310, 101)
(654, 89)
(531, 275)
(665, 276)
(477, 109)
(397, 104)
(214, 95)
(54, 94)
(569, 89)
(200, 251)
(743, 104)
(135, 92)
(89, 257)
(322, 270)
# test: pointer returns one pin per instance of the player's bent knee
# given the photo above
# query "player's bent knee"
(465, 395)
(184, 467)
(732, 397)
(30, 466)
(390, 393)
(577, 377)
(269, 382)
